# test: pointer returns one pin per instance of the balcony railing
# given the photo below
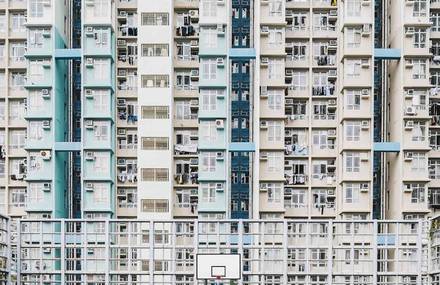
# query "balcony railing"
(296, 179)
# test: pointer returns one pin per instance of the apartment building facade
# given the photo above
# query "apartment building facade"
(242, 109)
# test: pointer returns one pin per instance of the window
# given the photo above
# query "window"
(155, 49)
(274, 161)
(353, 8)
(274, 131)
(276, 8)
(155, 174)
(155, 143)
(352, 162)
(353, 37)
(17, 139)
(353, 99)
(101, 68)
(36, 101)
(275, 99)
(17, 80)
(419, 38)
(101, 163)
(352, 68)
(209, 37)
(321, 140)
(155, 19)
(299, 51)
(155, 112)
(299, 22)
(101, 100)
(127, 197)
(274, 192)
(418, 132)
(417, 192)
(208, 98)
(102, 131)
(208, 131)
(208, 161)
(208, 8)
(101, 193)
(17, 197)
(420, 8)
(36, 71)
(419, 162)
(35, 130)
(352, 131)
(299, 80)
(2, 110)
(208, 192)
(183, 111)
(209, 69)
(36, 39)
(276, 37)
(155, 81)
(17, 51)
(435, 20)
(101, 8)
(419, 68)
(276, 68)
(155, 205)
(36, 8)
(101, 37)
(295, 198)
(351, 193)
(18, 21)
(35, 193)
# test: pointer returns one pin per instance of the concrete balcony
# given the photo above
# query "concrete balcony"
(191, 62)
(295, 32)
(297, 121)
(324, 4)
(270, 206)
(186, 210)
(324, 121)
(190, 92)
(188, 123)
(18, 4)
(17, 62)
(324, 211)
(298, 5)
(292, 211)
(127, 4)
(325, 32)
(123, 211)
(324, 151)
(294, 62)
(323, 180)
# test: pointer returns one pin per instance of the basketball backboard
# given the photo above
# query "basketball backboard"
(218, 266)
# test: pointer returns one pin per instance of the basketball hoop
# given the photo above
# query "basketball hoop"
(215, 267)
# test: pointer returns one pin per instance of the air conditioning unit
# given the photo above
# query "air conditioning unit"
(332, 73)
(46, 250)
(365, 92)
(221, 2)
(331, 133)
(121, 43)
(410, 111)
(265, 30)
(90, 251)
(365, 2)
(263, 155)
(121, 103)
(365, 156)
(410, 92)
(122, 72)
(46, 187)
(366, 30)
(264, 2)
(289, 72)
(408, 156)
(263, 187)
(45, 93)
(121, 162)
(89, 62)
(89, 124)
(410, 31)
(219, 156)
(194, 43)
(220, 124)
(220, 30)
(330, 193)
(194, 161)
(90, 2)
(263, 124)
(407, 188)
(332, 43)
(122, 132)
(89, 187)
(123, 14)
(409, 125)
(194, 13)
(364, 187)
(195, 73)
(220, 62)
(333, 13)
(46, 124)
(264, 61)
(88, 93)
(45, 154)
(263, 91)
(89, 31)
(289, 101)
(365, 63)
(365, 124)
(219, 187)
(409, 64)
(90, 155)
(332, 102)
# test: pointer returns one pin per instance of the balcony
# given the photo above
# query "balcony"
(186, 4)
(434, 198)
(324, 90)
(325, 60)
(295, 179)
(297, 31)
(190, 31)
(188, 178)
(127, 175)
(127, 4)
(325, 3)
(185, 149)
(186, 121)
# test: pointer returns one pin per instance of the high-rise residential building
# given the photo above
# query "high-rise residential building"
(189, 111)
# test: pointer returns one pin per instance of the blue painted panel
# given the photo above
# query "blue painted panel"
(242, 53)
(67, 146)
(387, 53)
(242, 147)
(387, 146)
(68, 53)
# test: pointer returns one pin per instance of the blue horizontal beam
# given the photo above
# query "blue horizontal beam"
(67, 146)
(387, 53)
(242, 147)
(387, 147)
(242, 53)
(73, 53)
